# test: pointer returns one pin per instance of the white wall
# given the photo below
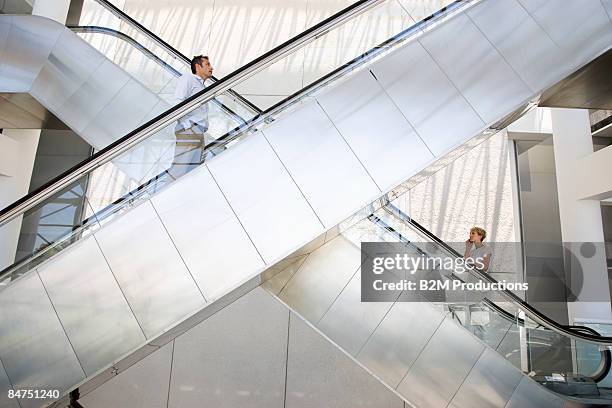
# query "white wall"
(54, 9)
(474, 190)
(580, 219)
(12, 187)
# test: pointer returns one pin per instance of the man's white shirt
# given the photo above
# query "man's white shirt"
(188, 85)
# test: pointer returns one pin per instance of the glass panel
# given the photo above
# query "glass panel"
(564, 365)
(172, 151)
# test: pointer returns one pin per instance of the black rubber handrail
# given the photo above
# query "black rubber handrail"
(529, 310)
(151, 55)
(144, 131)
(605, 362)
(170, 49)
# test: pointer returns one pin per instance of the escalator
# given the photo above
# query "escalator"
(444, 347)
(260, 200)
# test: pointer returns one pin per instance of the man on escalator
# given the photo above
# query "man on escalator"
(192, 129)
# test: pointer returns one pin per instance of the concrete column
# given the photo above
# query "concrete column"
(580, 219)
(54, 9)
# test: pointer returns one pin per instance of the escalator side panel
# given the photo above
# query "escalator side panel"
(35, 351)
(82, 88)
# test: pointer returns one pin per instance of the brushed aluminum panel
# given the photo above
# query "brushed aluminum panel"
(476, 68)
(427, 98)
(114, 121)
(349, 322)
(268, 203)
(90, 305)
(29, 43)
(33, 347)
(94, 94)
(490, 383)
(321, 278)
(375, 129)
(533, 395)
(320, 375)
(399, 339)
(143, 385)
(581, 28)
(5, 387)
(240, 353)
(215, 247)
(70, 63)
(321, 163)
(149, 269)
(522, 42)
(441, 368)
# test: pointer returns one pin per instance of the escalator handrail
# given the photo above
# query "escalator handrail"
(151, 55)
(124, 37)
(605, 361)
(529, 310)
(120, 14)
(170, 116)
(457, 5)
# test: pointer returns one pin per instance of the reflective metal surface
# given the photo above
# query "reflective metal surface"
(506, 23)
(76, 83)
(349, 322)
(149, 270)
(267, 201)
(589, 87)
(34, 348)
(375, 129)
(393, 348)
(530, 394)
(442, 366)
(67, 67)
(337, 180)
(320, 375)
(28, 46)
(239, 354)
(91, 307)
(5, 387)
(216, 249)
(324, 274)
(480, 73)
(427, 98)
(490, 383)
(580, 28)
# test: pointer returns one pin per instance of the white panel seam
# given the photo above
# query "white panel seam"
(451, 82)
(500, 54)
(606, 11)
(349, 145)
(61, 324)
(293, 180)
(118, 285)
(177, 251)
(402, 113)
(235, 214)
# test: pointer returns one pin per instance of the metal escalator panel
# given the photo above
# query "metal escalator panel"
(276, 186)
(456, 347)
(553, 354)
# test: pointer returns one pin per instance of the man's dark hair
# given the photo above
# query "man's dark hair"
(197, 60)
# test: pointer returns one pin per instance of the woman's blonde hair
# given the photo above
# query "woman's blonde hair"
(480, 232)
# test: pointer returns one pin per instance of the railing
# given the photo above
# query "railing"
(575, 332)
(529, 310)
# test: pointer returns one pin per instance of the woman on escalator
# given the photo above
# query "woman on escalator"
(476, 251)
